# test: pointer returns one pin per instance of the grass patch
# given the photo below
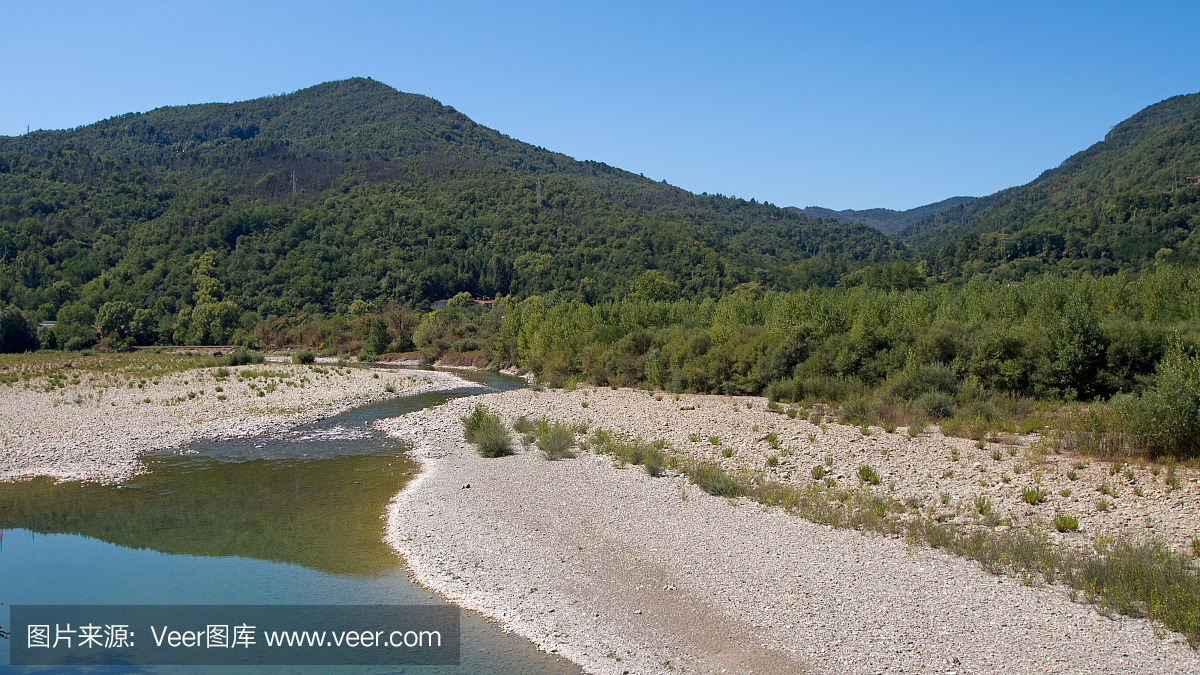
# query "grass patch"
(868, 476)
(1065, 523)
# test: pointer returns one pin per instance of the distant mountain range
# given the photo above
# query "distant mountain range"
(886, 221)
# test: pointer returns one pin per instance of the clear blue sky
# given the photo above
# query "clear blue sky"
(838, 104)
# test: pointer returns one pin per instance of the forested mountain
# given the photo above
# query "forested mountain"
(886, 221)
(1122, 204)
(352, 190)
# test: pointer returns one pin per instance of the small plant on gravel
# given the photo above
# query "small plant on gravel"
(583, 404)
(1066, 492)
(1072, 476)
(1155, 470)
(818, 472)
(222, 372)
(727, 452)
(830, 482)
(658, 397)
(889, 427)
(1018, 468)
(816, 418)
(981, 444)
(772, 437)
(1102, 505)
(693, 437)
(828, 460)
(1172, 479)
(524, 425)
(1105, 490)
(303, 356)
(997, 455)
(1196, 547)
(867, 475)
(221, 397)
(773, 460)
(1033, 495)
(948, 473)
(1065, 523)
(791, 413)
(954, 454)
(865, 429)
(945, 499)
(555, 440)
(389, 388)
(714, 440)
(1005, 478)
(983, 505)
(1139, 491)
(1114, 469)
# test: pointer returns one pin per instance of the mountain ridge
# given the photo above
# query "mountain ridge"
(887, 221)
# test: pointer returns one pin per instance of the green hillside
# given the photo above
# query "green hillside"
(352, 191)
(887, 221)
(1114, 206)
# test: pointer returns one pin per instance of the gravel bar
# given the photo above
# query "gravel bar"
(95, 430)
(624, 573)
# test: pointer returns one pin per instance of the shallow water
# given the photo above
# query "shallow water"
(285, 520)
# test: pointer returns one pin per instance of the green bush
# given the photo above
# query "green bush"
(487, 432)
(916, 381)
(713, 480)
(242, 356)
(1165, 420)
(555, 440)
(303, 356)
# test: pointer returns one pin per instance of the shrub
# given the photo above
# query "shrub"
(935, 404)
(1165, 420)
(983, 505)
(818, 472)
(242, 356)
(713, 480)
(868, 475)
(1065, 523)
(915, 382)
(304, 357)
(714, 440)
(773, 460)
(492, 440)
(791, 413)
(555, 440)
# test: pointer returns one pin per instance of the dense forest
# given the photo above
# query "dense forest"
(1122, 204)
(351, 191)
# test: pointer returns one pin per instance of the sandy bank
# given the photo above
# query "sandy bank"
(622, 572)
(94, 427)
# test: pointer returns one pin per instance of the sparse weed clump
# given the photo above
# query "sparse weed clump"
(1065, 523)
(1033, 495)
(818, 472)
(868, 476)
(983, 505)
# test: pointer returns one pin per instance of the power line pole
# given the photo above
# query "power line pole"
(293, 183)
(1003, 247)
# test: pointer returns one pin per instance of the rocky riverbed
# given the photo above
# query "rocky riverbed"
(81, 424)
(622, 572)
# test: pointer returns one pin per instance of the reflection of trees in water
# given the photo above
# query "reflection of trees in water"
(322, 514)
